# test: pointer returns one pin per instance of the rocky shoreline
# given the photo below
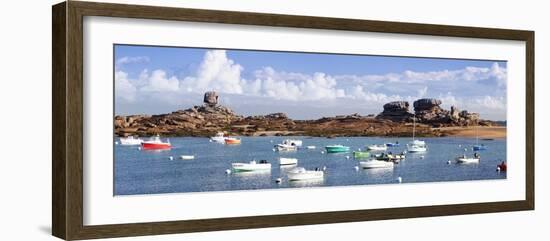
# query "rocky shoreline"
(210, 118)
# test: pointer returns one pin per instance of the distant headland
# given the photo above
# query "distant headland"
(395, 120)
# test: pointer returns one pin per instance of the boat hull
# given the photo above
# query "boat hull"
(155, 146)
(361, 154)
(377, 148)
(337, 149)
(307, 175)
(248, 167)
(232, 141)
(288, 161)
(375, 164)
(467, 160)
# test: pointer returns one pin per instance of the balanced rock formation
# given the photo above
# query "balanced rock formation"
(397, 111)
(211, 98)
(429, 111)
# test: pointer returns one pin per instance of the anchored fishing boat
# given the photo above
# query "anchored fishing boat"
(373, 163)
(218, 138)
(262, 165)
(337, 148)
(232, 141)
(130, 141)
(291, 142)
(288, 161)
(377, 147)
(155, 143)
(300, 174)
(464, 159)
(361, 154)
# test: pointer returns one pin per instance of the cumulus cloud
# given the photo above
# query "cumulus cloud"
(131, 60)
(159, 82)
(124, 89)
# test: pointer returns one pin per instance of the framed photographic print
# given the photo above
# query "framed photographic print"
(171, 120)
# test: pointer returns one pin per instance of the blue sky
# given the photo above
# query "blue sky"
(150, 80)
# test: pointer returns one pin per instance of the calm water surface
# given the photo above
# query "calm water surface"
(148, 172)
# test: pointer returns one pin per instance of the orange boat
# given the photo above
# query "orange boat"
(155, 143)
(232, 141)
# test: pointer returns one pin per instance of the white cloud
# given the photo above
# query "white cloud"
(158, 82)
(124, 89)
(491, 102)
(130, 60)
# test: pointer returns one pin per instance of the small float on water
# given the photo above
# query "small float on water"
(465, 160)
(262, 165)
(373, 163)
(232, 141)
(187, 157)
(337, 148)
(301, 174)
(311, 147)
(155, 143)
(218, 138)
(130, 141)
(361, 154)
(377, 147)
(287, 161)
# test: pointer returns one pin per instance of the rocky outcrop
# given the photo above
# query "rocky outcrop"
(210, 98)
(429, 111)
(397, 111)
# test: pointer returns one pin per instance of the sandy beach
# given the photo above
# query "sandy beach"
(482, 132)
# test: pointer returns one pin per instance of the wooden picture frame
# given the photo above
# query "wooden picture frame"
(67, 123)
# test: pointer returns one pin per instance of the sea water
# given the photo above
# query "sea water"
(139, 171)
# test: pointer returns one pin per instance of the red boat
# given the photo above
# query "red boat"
(155, 143)
(502, 166)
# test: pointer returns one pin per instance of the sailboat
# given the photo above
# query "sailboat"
(477, 146)
(416, 145)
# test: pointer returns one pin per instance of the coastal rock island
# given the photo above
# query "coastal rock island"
(211, 117)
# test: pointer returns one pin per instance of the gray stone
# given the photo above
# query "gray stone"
(211, 98)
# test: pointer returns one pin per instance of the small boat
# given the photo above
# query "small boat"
(337, 148)
(284, 147)
(502, 166)
(373, 163)
(361, 154)
(311, 147)
(389, 157)
(464, 159)
(232, 141)
(187, 157)
(291, 142)
(155, 143)
(377, 147)
(416, 145)
(130, 141)
(218, 138)
(288, 161)
(262, 165)
(481, 147)
(390, 144)
(300, 174)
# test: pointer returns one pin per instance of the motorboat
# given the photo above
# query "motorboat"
(187, 157)
(464, 159)
(389, 157)
(291, 142)
(232, 141)
(337, 148)
(262, 165)
(218, 138)
(377, 147)
(287, 161)
(373, 163)
(301, 174)
(361, 154)
(155, 143)
(285, 147)
(130, 141)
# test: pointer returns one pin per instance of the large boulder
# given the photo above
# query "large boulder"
(211, 98)
(426, 104)
(397, 111)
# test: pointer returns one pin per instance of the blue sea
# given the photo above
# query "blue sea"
(151, 172)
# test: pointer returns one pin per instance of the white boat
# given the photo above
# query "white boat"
(130, 141)
(285, 147)
(187, 157)
(300, 174)
(416, 145)
(311, 147)
(288, 161)
(373, 163)
(377, 148)
(291, 142)
(251, 166)
(464, 159)
(218, 138)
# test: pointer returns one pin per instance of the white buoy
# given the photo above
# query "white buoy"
(322, 152)
(271, 141)
(358, 149)
(465, 149)
(347, 157)
(421, 157)
(278, 180)
(274, 149)
(116, 142)
(459, 145)
(171, 158)
(139, 148)
(227, 171)
(356, 168)
(498, 169)
(399, 179)
(448, 162)
(324, 168)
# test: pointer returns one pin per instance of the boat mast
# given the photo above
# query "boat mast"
(414, 125)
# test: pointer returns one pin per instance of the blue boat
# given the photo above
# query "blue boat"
(392, 144)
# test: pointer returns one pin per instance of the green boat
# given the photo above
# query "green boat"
(361, 154)
(337, 149)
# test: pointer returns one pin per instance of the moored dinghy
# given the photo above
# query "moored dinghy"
(232, 141)
(187, 157)
(337, 148)
(377, 147)
(301, 174)
(262, 165)
(285, 147)
(373, 163)
(288, 161)
(361, 154)
(218, 138)
(464, 159)
(130, 141)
